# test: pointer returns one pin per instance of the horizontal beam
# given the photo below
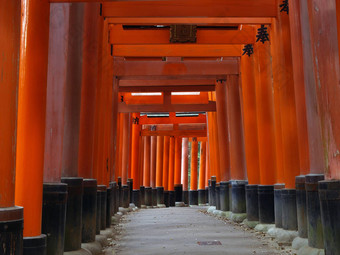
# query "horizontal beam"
(144, 120)
(140, 89)
(180, 68)
(190, 20)
(177, 50)
(118, 35)
(160, 78)
(166, 83)
(192, 8)
(210, 107)
(182, 133)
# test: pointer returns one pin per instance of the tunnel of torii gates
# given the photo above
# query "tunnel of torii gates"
(100, 102)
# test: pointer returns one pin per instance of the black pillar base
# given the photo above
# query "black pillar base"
(329, 194)
(252, 201)
(11, 230)
(278, 204)
(218, 197)
(98, 211)
(89, 212)
(54, 216)
(301, 205)
(103, 202)
(224, 196)
(166, 198)
(136, 198)
(201, 196)
(186, 197)
(207, 195)
(212, 191)
(238, 196)
(130, 185)
(160, 195)
(120, 192)
(178, 193)
(108, 206)
(193, 197)
(289, 216)
(113, 198)
(35, 245)
(116, 197)
(266, 204)
(142, 195)
(315, 234)
(125, 196)
(148, 196)
(172, 198)
(74, 207)
(154, 197)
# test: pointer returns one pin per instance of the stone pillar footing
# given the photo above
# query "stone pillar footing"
(35, 245)
(160, 195)
(278, 204)
(289, 216)
(166, 198)
(74, 207)
(329, 194)
(11, 230)
(172, 200)
(178, 193)
(193, 197)
(186, 197)
(136, 198)
(201, 197)
(252, 202)
(315, 234)
(237, 188)
(148, 196)
(224, 196)
(301, 206)
(54, 216)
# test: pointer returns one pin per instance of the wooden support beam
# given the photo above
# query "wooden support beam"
(166, 83)
(157, 78)
(118, 35)
(210, 107)
(177, 50)
(191, 8)
(177, 68)
(176, 133)
(167, 88)
(189, 20)
(172, 119)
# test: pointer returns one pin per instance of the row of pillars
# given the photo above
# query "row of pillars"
(57, 127)
(158, 165)
(274, 139)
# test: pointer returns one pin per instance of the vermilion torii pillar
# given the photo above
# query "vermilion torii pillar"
(32, 106)
(184, 166)
(159, 170)
(237, 158)
(135, 133)
(177, 179)
(171, 171)
(153, 159)
(165, 174)
(202, 173)
(9, 84)
(193, 194)
(146, 173)
(324, 22)
(125, 158)
(250, 136)
(265, 130)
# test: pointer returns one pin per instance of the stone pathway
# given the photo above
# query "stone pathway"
(178, 231)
